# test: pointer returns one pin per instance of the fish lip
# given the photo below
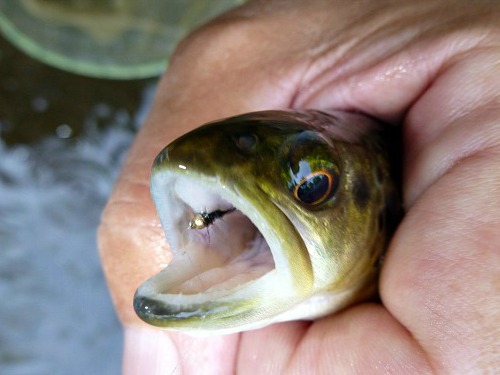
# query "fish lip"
(157, 306)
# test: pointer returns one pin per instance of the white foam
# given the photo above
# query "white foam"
(56, 316)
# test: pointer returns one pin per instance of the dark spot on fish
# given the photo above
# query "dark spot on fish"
(361, 192)
(379, 261)
(381, 221)
(246, 142)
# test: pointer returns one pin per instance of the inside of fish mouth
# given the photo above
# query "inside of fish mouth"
(226, 254)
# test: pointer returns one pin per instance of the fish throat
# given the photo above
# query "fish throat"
(219, 250)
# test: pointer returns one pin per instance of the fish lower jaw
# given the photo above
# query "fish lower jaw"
(195, 272)
(220, 258)
(223, 311)
(179, 302)
(216, 268)
(319, 305)
(200, 276)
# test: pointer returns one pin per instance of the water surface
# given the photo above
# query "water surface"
(62, 141)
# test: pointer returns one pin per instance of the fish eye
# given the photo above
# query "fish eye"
(246, 141)
(311, 168)
(314, 188)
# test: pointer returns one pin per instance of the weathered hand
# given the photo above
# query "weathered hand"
(429, 66)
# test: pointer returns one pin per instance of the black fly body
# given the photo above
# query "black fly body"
(205, 219)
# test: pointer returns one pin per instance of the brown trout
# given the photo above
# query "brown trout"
(271, 216)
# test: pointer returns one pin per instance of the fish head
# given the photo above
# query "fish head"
(290, 205)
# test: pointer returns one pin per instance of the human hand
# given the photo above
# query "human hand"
(429, 66)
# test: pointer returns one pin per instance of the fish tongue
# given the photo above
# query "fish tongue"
(223, 278)
(254, 261)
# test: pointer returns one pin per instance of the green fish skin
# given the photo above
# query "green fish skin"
(314, 197)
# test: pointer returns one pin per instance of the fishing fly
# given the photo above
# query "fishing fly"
(204, 219)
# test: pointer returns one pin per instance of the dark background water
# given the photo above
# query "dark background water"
(63, 138)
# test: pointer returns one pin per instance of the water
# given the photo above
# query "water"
(56, 315)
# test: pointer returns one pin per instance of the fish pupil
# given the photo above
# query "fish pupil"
(314, 188)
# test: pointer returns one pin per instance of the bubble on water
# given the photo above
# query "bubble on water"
(21, 153)
(64, 131)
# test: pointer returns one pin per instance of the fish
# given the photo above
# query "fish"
(271, 216)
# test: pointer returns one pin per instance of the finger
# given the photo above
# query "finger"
(384, 69)
(441, 278)
(153, 351)
(364, 339)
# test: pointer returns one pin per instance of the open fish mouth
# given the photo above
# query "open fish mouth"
(271, 216)
(210, 263)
